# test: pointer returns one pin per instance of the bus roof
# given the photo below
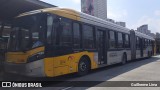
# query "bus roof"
(79, 16)
(139, 34)
(54, 10)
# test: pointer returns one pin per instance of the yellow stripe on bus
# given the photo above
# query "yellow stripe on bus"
(68, 13)
(21, 57)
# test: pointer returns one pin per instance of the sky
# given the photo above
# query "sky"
(134, 12)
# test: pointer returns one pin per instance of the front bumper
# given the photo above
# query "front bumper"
(33, 69)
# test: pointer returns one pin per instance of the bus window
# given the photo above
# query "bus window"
(31, 33)
(66, 32)
(150, 43)
(137, 43)
(146, 43)
(88, 38)
(49, 28)
(76, 35)
(120, 41)
(24, 38)
(112, 40)
(127, 41)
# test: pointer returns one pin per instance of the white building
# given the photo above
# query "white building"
(157, 35)
(121, 24)
(111, 20)
(96, 8)
(144, 29)
(153, 35)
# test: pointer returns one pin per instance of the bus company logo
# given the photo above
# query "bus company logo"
(113, 54)
(6, 84)
(70, 57)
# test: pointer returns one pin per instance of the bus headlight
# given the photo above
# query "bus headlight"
(35, 57)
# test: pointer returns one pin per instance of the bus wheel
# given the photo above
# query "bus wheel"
(124, 59)
(83, 66)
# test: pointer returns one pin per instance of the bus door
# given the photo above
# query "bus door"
(101, 47)
(141, 46)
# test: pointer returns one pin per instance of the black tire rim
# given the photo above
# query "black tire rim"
(83, 66)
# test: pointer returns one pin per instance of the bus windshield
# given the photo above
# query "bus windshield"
(28, 32)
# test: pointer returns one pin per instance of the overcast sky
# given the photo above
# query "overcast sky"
(133, 12)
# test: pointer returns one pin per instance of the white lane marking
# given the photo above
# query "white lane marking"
(66, 88)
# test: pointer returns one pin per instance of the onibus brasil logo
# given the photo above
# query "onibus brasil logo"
(15, 84)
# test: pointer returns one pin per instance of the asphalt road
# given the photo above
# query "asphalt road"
(140, 70)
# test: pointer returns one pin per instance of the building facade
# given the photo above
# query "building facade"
(144, 29)
(121, 24)
(111, 20)
(97, 8)
(158, 35)
(153, 35)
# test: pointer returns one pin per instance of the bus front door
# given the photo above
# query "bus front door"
(101, 47)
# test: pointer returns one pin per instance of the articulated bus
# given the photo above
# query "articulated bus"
(58, 41)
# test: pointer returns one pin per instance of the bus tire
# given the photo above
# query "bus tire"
(124, 59)
(84, 66)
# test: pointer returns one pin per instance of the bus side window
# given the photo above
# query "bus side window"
(66, 32)
(120, 41)
(112, 40)
(88, 37)
(127, 41)
(144, 44)
(76, 36)
(49, 28)
(148, 42)
(137, 43)
(129, 37)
